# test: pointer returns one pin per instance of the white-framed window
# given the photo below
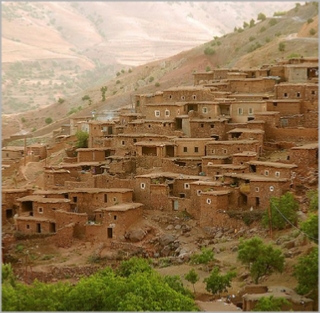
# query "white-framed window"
(205, 110)
(277, 174)
(271, 188)
(257, 189)
(157, 113)
(185, 149)
(198, 192)
(186, 186)
(250, 111)
(209, 201)
(196, 149)
(143, 185)
(240, 111)
(266, 173)
(40, 210)
(167, 113)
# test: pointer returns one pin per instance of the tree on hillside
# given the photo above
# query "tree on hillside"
(311, 227)
(82, 139)
(204, 257)
(48, 120)
(261, 259)
(313, 200)
(307, 272)
(245, 24)
(103, 92)
(217, 283)
(192, 277)
(252, 23)
(261, 17)
(270, 304)
(283, 212)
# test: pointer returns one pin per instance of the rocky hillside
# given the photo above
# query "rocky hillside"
(255, 45)
(57, 49)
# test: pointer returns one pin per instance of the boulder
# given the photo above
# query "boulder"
(136, 235)
(166, 239)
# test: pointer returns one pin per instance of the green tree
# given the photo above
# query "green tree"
(208, 69)
(313, 200)
(204, 257)
(48, 120)
(252, 23)
(217, 283)
(261, 259)
(312, 31)
(192, 277)
(307, 272)
(311, 227)
(209, 51)
(82, 139)
(60, 100)
(132, 266)
(270, 304)
(103, 92)
(283, 212)
(282, 46)
(261, 17)
(245, 24)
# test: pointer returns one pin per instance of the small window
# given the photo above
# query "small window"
(313, 92)
(225, 151)
(198, 192)
(114, 199)
(271, 188)
(209, 201)
(167, 113)
(266, 173)
(298, 95)
(40, 210)
(134, 140)
(212, 125)
(201, 125)
(277, 174)
(240, 111)
(204, 110)
(143, 185)
(123, 143)
(170, 96)
(185, 149)
(115, 217)
(75, 199)
(27, 226)
(196, 149)
(213, 151)
(194, 97)
(275, 104)
(285, 95)
(105, 198)
(157, 113)
(250, 111)
(257, 189)
(186, 186)
(183, 97)
(182, 195)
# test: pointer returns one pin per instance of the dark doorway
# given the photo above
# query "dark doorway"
(38, 228)
(110, 232)
(9, 213)
(257, 201)
(52, 227)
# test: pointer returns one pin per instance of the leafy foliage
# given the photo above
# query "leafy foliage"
(192, 277)
(270, 304)
(306, 272)
(209, 51)
(103, 92)
(283, 212)
(263, 259)
(143, 289)
(261, 17)
(311, 227)
(48, 120)
(82, 139)
(313, 200)
(204, 257)
(217, 283)
(282, 46)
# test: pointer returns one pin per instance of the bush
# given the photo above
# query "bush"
(208, 69)
(151, 79)
(60, 100)
(48, 120)
(273, 22)
(209, 51)
(282, 46)
(262, 29)
(157, 84)
(252, 38)
(312, 31)
(310, 20)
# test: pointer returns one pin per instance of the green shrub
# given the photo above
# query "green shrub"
(209, 51)
(273, 22)
(48, 120)
(312, 31)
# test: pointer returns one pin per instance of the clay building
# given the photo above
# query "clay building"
(75, 123)
(218, 170)
(297, 73)
(12, 153)
(191, 147)
(230, 147)
(243, 111)
(10, 205)
(244, 157)
(114, 221)
(206, 128)
(98, 130)
(246, 134)
(272, 169)
(305, 156)
(251, 190)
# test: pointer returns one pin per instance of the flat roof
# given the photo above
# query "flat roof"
(232, 142)
(216, 192)
(207, 183)
(308, 146)
(272, 164)
(38, 198)
(155, 143)
(99, 190)
(246, 130)
(122, 207)
(253, 177)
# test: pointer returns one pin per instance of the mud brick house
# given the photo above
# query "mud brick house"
(251, 190)
(111, 223)
(99, 130)
(305, 156)
(56, 178)
(92, 154)
(205, 128)
(12, 153)
(230, 147)
(243, 111)
(218, 170)
(75, 123)
(273, 169)
(10, 205)
(244, 157)
(247, 134)
(190, 147)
